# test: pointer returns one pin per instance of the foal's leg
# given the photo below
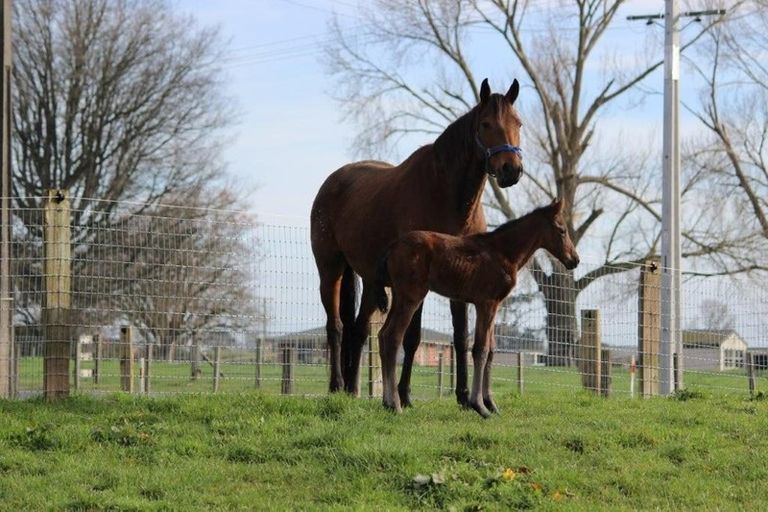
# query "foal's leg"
(360, 333)
(460, 334)
(390, 338)
(410, 345)
(487, 393)
(480, 349)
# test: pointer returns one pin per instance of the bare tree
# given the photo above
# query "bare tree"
(715, 315)
(731, 155)
(610, 195)
(176, 271)
(112, 100)
(120, 102)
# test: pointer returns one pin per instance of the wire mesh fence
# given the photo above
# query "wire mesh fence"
(168, 299)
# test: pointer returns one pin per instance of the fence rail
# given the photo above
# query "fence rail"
(169, 299)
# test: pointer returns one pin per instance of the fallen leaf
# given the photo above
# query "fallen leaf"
(508, 474)
(536, 486)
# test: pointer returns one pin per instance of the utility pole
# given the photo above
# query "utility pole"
(671, 339)
(6, 301)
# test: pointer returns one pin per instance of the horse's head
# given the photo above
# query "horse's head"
(557, 240)
(498, 134)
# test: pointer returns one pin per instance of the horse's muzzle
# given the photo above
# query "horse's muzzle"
(572, 263)
(509, 175)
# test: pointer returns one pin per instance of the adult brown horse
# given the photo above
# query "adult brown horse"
(364, 206)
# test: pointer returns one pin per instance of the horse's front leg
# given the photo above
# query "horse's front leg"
(480, 352)
(459, 318)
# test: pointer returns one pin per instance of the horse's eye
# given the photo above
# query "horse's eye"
(485, 125)
(561, 230)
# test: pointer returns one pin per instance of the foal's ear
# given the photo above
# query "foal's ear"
(485, 91)
(513, 91)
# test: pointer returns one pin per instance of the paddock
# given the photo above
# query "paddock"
(218, 305)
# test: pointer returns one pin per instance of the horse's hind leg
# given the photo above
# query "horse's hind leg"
(460, 334)
(411, 342)
(330, 285)
(347, 310)
(358, 336)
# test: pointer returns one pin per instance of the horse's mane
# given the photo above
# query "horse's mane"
(458, 139)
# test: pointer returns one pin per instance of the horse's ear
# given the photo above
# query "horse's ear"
(485, 91)
(513, 91)
(557, 205)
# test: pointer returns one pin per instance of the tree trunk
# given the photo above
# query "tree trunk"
(562, 330)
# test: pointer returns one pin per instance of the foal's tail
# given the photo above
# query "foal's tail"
(382, 277)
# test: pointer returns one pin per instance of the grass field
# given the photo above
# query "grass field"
(564, 450)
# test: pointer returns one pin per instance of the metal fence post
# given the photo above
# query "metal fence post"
(286, 359)
(440, 357)
(520, 376)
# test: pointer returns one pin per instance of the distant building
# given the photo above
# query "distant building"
(713, 350)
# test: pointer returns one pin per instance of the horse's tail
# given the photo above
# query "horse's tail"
(382, 278)
(348, 297)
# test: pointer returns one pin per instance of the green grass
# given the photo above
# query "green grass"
(566, 450)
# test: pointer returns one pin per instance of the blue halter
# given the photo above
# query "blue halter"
(501, 148)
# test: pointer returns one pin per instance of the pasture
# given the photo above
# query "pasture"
(561, 451)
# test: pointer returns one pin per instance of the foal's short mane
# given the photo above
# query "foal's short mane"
(515, 223)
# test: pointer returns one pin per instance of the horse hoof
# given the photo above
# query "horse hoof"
(491, 406)
(395, 408)
(481, 410)
(462, 398)
(405, 401)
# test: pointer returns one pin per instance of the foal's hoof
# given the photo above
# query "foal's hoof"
(481, 410)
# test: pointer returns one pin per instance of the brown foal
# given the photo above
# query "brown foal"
(480, 269)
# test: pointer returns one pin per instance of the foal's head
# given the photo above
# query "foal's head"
(498, 134)
(556, 238)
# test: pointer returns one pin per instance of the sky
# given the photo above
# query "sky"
(290, 134)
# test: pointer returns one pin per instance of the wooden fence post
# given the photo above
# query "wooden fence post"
(751, 377)
(126, 359)
(78, 364)
(148, 368)
(216, 368)
(590, 350)
(195, 371)
(374, 360)
(287, 361)
(259, 357)
(57, 303)
(649, 327)
(97, 356)
(520, 375)
(606, 378)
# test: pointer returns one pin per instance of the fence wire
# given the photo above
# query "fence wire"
(170, 299)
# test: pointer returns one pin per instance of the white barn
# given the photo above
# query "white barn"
(713, 350)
